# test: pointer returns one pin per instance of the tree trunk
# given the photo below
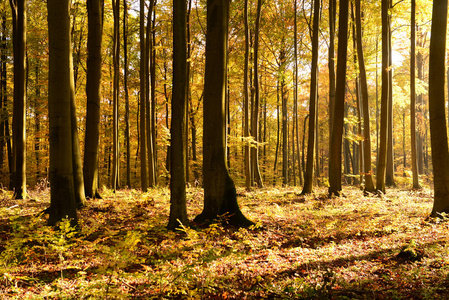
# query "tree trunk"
(246, 132)
(61, 92)
(337, 132)
(383, 139)
(178, 206)
(438, 129)
(369, 185)
(308, 176)
(143, 92)
(282, 60)
(125, 86)
(389, 176)
(255, 121)
(93, 93)
(331, 63)
(148, 100)
(3, 85)
(18, 8)
(116, 95)
(219, 190)
(414, 161)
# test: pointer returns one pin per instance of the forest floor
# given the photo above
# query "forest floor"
(302, 247)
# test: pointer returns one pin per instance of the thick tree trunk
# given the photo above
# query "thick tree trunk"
(337, 132)
(18, 8)
(219, 190)
(61, 92)
(438, 129)
(93, 92)
(178, 207)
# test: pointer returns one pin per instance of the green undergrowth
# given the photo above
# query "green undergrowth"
(302, 247)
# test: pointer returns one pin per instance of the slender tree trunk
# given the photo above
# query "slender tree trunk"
(420, 114)
(148, 100)
(187, 110)
(93, 92)
(178, 206)
(116, 94)
(383, 140)
(3, 85)
(438, 128)
(246, 132)
(331, 62)
(143, 93)
(308, 177)
(282, 60)
(18, 8)
(337, 132)
(369, 185)
(153, 91)
(125, 86)
(255, 122)
(389, 176)
(414, 161)
(219, 190)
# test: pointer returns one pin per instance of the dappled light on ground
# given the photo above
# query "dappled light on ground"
(301, 247)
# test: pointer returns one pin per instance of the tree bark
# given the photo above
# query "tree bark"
(246, 133)
(219, 190)
(308, 176)
(178, 206)
(116, 95)
(438, 129)
(125, 86)
(414, 161)
(143, 92)
(255, 121)
(61, 92)
(93, 93)
(369, 185)
(18, 8)
(337, 132)
(383, 139)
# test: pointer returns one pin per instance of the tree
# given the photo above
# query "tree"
(369, 185)
(246, 132)
(116, 94)
(438, 129)
(414, 161)
(339, 105)
(178, 207)
(383, 139)
(142, 94)
(255, 121)
(308, 176)
(219, 190)
(93, 93)
(18, 8)
(61, 92)
(125, 87)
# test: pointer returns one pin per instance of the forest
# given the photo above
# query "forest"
(218, 149)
